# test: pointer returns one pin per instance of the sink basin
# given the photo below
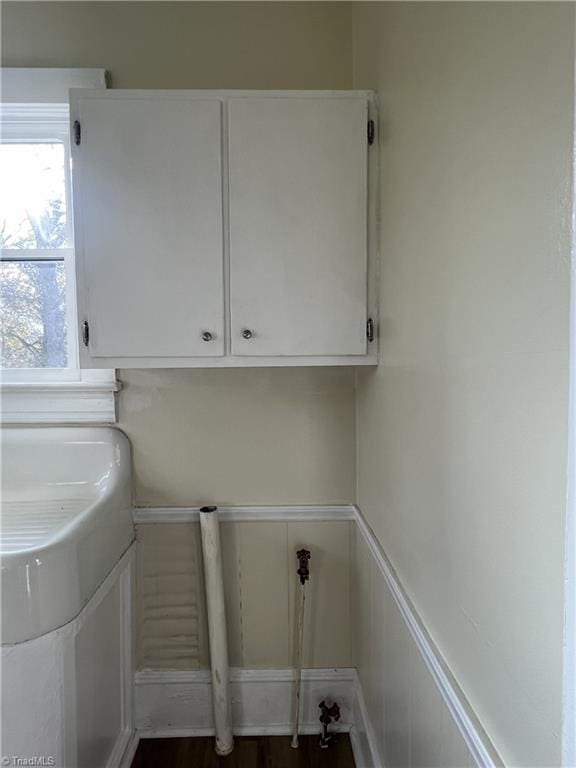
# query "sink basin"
(66, 521)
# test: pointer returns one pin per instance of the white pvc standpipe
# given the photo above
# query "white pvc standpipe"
(216, 629)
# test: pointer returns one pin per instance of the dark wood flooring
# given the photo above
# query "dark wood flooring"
(249, 752)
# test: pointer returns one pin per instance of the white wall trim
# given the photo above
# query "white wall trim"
(40, 85)
(130, 750)
(362, 736)
(569, 639)
(67, 402)
(173, 703)
(475, 737)
(143, 515)
(116, 759)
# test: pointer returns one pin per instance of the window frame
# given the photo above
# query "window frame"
(35, 106)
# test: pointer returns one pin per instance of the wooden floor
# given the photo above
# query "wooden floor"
(249, 752)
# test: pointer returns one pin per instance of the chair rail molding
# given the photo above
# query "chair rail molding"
(228, 514)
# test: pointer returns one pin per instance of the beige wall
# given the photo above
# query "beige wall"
(264, 436)
(237, 437)
(259, 584)
(461, 448)
(186, 44)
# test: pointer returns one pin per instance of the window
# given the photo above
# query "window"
(40, 376)
(37, 328)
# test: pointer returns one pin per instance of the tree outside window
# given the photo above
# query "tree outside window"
(35, 241)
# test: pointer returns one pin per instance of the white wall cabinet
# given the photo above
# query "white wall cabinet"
(223, 228)
(298, 224)
(147, 181)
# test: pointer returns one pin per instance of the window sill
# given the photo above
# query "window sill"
(60, 402)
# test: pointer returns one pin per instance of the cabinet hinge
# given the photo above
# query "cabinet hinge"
(370, 329)
(371, 131)
(77, 132)
(85, 333)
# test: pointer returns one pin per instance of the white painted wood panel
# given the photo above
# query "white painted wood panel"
(98, 663)
(67, 696)
(416, 712)
(172, 632)
(264, 584)
(148, 218)
(327, 626)
(259, 571)
(298, 225)
(32, 701)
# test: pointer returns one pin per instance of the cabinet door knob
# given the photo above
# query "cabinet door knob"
(207, 336)
(247, 333)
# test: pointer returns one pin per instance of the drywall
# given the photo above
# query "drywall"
(186, 44)
(259, 570)
(241, 437)
(461, 432)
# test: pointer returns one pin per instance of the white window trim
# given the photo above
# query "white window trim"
(45, 85)
(52, 396)
(88, 400)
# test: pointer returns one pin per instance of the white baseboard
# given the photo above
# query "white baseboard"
(129, 750)
(171, 704)
(119, 752)
(180, 703)
(362, 734)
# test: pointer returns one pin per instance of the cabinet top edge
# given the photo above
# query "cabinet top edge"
(221, 95)
(231, 361)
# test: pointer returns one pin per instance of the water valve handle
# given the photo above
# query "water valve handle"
(303, 556)
(329, 713)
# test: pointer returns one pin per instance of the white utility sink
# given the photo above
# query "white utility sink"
(66, 521)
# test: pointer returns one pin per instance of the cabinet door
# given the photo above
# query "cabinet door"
(298, 225)
(148, 218)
